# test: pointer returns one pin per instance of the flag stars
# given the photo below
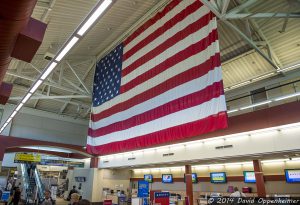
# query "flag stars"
(108, 75)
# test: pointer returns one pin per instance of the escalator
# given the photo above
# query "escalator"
(33, 186)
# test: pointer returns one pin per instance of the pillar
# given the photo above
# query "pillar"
(259, 175)
(189, 183)
(94, 162)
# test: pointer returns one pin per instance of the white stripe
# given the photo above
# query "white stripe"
(181, 6)
(202, 11)
(173, 94)
(188, 63)
(176, 48)
(201, 111)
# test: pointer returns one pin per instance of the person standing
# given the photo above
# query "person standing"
(74, 199)
(16, 196)
(80, 192)
(72, 191)
(9, 186)
(237, 193)
(48, 200)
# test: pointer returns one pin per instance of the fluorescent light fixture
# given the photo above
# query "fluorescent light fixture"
(273, 160)
(289, 67)
(26, 97)
(67, 48)
(263, 76)
(35, 86)
(48, 70)
(255, 105)
(287, 96)
(94, 17)
(231, 111)
(19, 107)
(13, 114)
(5, 124)
(240, 84)
(9, 119)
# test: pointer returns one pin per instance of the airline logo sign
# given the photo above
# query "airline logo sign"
(27, 158)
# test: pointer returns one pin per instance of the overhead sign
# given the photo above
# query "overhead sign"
(64, 163)
(27, 158)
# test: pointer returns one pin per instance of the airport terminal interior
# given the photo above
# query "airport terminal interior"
(182, 102)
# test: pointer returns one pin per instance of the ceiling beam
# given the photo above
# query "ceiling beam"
(256, 27)
(49, 97)
(262, 15)
(46, 83)
(238, 31)
(37, 101)
(76, 103)
(240, 8)
(225, 6)
(78, 78)
(252, 44)
(92, 65)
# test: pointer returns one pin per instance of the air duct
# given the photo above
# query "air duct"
(14, 18)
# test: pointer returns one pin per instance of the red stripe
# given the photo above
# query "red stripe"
(192, 28)
(185, 102)
(173, 82)
(177, 58)
(152, 21)
(169, 24)
(192, 129)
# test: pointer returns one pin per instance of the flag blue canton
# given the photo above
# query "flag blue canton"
(107, 80)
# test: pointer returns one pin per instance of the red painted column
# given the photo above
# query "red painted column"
(94, 162)
(1, 154)
(189, 183)
(259, 175)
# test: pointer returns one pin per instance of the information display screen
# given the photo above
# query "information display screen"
(292, 175)
(249, 177)
(218, 177)
(194, 178)
(167, 178)
(80, 179)
(148, 178)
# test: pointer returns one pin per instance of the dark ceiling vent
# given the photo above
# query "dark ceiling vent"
(224, 147)
(168, 154)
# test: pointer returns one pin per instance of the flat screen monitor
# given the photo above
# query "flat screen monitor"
(292, 175)
(148, 178)
(218, 177)
(194, 178)
(249, 177)
(80, 179)
(167, 178)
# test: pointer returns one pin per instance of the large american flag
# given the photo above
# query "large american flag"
(162, 84)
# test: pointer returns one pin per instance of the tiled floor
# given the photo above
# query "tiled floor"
(60, 201)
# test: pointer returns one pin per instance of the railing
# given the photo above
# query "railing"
(39, 184)
(25, 179)
(276, 94)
